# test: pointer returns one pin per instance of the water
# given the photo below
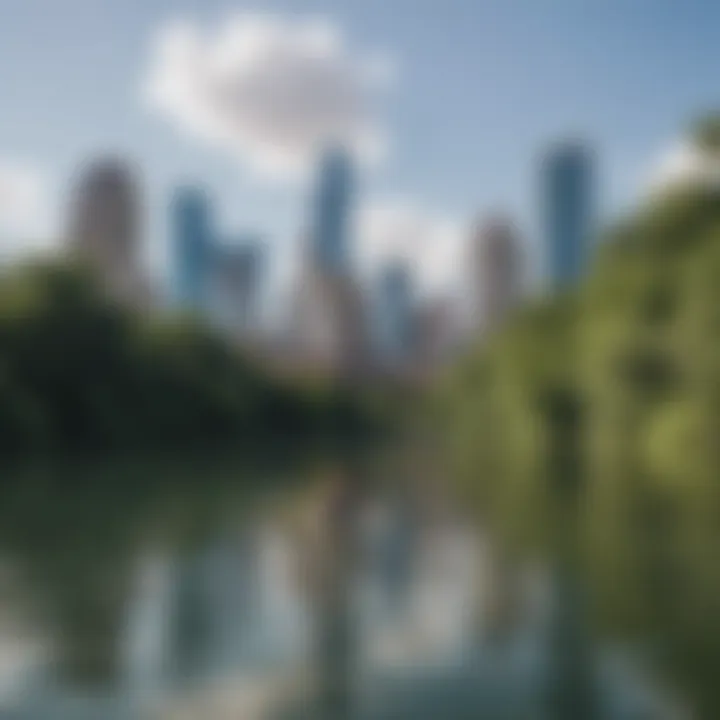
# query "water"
(267, 589)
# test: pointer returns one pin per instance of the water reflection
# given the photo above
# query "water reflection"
(235, 590)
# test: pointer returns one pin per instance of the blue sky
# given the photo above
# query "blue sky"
(480, 87)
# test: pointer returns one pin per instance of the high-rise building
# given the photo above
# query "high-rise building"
(328, 330)
(496, 268)
(436, 332)
(236, 285)
(394, 315)
(567, 210)
(192, 241)
(331, 212)
(328, 324)
(104, 228)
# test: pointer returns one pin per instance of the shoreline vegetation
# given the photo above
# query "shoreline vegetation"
(80, 375)
(644, 368)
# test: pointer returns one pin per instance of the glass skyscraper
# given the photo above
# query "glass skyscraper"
(567, 208)
(395, 313)
(192, 240)
(236, 283)
(331, 211)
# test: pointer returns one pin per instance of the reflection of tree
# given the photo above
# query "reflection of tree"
(72, 542)
(76, 533)
(572, 665)
(334, 626)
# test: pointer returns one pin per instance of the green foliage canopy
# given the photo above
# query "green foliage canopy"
(637, 343)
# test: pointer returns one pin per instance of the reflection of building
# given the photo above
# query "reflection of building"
(236, 277)
(567, 186)
(496, 268)
(393, 322)
(192, 242)
(104, 228)
(331, 212)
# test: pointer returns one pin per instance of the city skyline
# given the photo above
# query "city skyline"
(437, 149)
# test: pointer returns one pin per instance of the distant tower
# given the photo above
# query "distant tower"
(567, 209)
(331, 212)
(394, 319)
(104, 227)
(328, 326)
(435, 333)
(236, 285)
(192, 240)
(497, 270)
(328, 314)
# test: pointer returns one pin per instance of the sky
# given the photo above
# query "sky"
(448, 104)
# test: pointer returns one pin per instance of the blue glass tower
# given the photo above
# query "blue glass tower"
(237, 271)
(395, 312)
(190, 216)
(567, 190)
(331, 211)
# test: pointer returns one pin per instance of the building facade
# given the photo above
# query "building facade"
(328, 321)
(328, 315)
(105, 226)
(331, 212)
(393, 323)
(497, 268)
(236, 286)
(567, 211)
(192, 242)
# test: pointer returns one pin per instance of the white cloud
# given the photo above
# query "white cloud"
(270, 90)
(684, 163)
(433, 245)
(24, 210)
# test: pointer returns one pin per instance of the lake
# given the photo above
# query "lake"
(281, 585)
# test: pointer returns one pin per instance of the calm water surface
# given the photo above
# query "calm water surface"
(278, 587)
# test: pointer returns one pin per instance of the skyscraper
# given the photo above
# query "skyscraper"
(192, 240)
(105, 225)
(394, 314)
(328, 323)
(436, 334)
(496, 267)
(328, 313)
(567, 209)
(331, 212)
(236, 285)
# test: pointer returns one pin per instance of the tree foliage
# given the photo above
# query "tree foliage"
(637, 343)
(79, 374)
